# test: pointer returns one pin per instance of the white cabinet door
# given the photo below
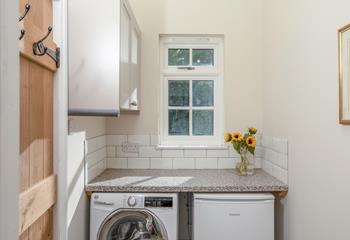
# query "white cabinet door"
(233, 220)
(135, 69)
(125, 36)
(93, 41)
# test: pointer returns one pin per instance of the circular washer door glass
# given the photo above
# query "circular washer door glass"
(132, 224)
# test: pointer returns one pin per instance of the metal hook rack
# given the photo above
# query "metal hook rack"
(39, 49)
(26, 10)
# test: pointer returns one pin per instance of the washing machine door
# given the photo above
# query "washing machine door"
(132, 224)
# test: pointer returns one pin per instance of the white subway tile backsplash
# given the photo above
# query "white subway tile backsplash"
(276, 171)
(194, 153)
(138, 163)
(227, 163)
(258, 162)
(142, 140)
(268, 154)
(280, 145)
(268, 167)
(121, 153)
(106, 151)
(161, 163)
(233, 153)
(259, 151)
(217, 153)
(275, 144)
(206, 163)
(154, 140)
(95, 157)
(111, 151)
(284, 176)
(284, 148)
(284, 159)
(172, 153)
(275, 160)
(94, 144)
(149, 152)
(119, 163)
(258, 139)
(183, 163)
(267, 141)
(96, 170)
(115, 140)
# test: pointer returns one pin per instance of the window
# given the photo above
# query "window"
(191, 91)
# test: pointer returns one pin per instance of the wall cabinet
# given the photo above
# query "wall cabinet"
(104, 58)
(130, 57)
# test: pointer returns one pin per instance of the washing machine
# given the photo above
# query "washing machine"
(133, 216)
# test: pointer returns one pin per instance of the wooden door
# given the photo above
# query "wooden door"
(37, 179)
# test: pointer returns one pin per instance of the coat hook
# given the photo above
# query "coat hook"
(22, 34)
(39, 49)
(27, 8)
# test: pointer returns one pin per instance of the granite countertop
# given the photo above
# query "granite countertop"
(119, 180)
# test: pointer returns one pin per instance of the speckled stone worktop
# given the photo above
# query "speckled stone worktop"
(118, 180)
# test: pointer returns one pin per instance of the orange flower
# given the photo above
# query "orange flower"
(228, 137)
(237, 136)
(252, 130)
(251, 141)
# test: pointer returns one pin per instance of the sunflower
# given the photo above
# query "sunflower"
(251, 141)
(228, 137)
(236, 136)
(252, 130)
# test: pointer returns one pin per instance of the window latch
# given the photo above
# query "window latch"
(186, 68)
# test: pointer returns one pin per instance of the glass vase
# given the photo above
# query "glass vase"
(245, 167)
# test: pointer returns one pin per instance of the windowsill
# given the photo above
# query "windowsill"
(199, 147)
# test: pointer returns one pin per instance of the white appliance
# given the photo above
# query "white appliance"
(133, 216)
(233, 216)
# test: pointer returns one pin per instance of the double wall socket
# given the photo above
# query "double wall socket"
(130, 147)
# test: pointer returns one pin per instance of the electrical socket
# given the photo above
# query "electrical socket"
(130, 147)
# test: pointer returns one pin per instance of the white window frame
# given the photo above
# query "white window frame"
(214, 73)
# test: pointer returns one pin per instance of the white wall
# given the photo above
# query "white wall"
(81, 129)
(78, 205)
(92, 126)
(300, 94)
(9, 120)
(238, 20)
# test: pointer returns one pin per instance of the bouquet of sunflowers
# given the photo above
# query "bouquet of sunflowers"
(243, 144)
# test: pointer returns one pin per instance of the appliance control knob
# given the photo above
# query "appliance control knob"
(132, 201)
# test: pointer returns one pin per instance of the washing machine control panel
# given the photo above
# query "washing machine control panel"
(132, 201)
(159, 202)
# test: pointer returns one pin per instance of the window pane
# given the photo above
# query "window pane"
(179, 122)
(202, 57)
(203, 122)
(178, 57)
(203, 93)
(179, 92)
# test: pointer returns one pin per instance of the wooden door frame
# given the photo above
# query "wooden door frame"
(9, 119)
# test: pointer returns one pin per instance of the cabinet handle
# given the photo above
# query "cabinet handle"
(133, 103)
